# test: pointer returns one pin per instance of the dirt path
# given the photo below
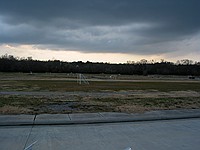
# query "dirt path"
(110, 94)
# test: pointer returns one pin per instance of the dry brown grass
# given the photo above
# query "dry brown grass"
(139, 94)
(93, 104)
(14, 110)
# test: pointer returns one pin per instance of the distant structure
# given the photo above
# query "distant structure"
(81, 79)
(114, 77)
(191, 77)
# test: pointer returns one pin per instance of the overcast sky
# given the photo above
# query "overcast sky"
(129, 29)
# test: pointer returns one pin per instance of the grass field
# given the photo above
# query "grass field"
(68, 86)
(60, 93)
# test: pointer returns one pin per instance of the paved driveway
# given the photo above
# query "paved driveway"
(157, 135)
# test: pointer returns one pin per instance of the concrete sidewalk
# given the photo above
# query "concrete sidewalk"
(93, 118)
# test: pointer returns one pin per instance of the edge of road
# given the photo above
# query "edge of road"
(96, 118)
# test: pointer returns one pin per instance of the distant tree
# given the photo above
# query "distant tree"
(130, 62)
(186, 62)
(9, 63)
(143, 61)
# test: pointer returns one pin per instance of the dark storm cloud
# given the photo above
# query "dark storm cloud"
(99, 25)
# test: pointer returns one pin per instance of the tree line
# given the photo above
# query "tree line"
(9, 63)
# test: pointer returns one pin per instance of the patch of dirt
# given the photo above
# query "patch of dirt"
(57, 107)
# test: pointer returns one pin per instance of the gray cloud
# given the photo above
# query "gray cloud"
(126, 26)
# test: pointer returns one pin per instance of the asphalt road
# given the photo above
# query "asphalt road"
(151, 135)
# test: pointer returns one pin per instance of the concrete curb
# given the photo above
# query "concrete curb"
(95, 118)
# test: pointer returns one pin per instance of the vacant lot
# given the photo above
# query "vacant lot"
(60, 93)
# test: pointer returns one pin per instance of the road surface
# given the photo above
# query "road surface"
(150, 135)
